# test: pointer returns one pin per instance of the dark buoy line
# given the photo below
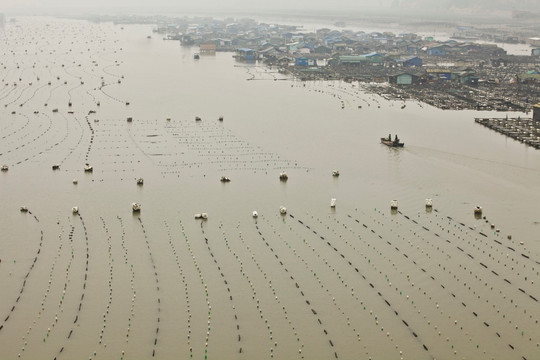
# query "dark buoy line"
(3, 324)
(364, 278)
(185, 286)
(298, 287)
(277, 299)
(226, 285)
(205, 285)
(156, 278)
(456, 264)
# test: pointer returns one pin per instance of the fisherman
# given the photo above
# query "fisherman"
(396, 139)
(389, 137)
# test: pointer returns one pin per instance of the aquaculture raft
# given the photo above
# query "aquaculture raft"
(522, 130)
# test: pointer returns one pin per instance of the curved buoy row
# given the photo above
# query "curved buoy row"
(300, 290)
(158, 298)
(226, 285)
(276, 298)
(23, 285)
(203, 282)
(453, 269)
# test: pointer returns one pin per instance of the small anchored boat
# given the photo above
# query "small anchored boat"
(224, 179)
(282, 210)
(283, 176)
(202, 216)
(88, 168)
(136, 207)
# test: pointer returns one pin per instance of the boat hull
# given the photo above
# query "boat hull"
(391, 143)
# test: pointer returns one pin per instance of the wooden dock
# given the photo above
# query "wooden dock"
(521, 129)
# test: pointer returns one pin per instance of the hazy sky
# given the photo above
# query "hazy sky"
(196, 4)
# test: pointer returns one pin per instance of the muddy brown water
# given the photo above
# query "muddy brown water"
(356, 281)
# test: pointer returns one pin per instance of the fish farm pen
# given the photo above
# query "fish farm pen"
(521, 129)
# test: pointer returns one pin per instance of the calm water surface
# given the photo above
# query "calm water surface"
(352, 282)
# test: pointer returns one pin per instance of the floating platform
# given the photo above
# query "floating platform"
(520, 129)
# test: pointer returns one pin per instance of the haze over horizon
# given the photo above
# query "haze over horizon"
(472, 7)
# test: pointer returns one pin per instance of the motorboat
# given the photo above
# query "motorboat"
(392, 143)
(136, 207)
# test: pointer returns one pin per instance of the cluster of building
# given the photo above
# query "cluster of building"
(404, 59)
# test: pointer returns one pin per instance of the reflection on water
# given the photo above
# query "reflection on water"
(317, 282)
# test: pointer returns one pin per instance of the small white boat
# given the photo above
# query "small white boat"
(394, 205)
(136, 207)
(335, 173)
(333, 203)
(429, 203)
(478, 210)
(282, 210)
(283, 176)
(75, 210)
(88, 168)
(224, 179)
(255, 215)
(140, 181)
(75, 181)
(24, 209)
(202, 216)
(5, 168)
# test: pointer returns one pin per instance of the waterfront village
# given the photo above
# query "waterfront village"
(458, 73)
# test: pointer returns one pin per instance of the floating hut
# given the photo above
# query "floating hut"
(429, 203)
(56, 167)
(283, 176)
(282, 210)
(140, 181)
(394, 205)
(24, 209)
(224, 179)
(136, 207)
(255, 215)
(75, 210)
(202, 216)
(477, 210)
(333, 203)
(335, 173)
(4, 168)
(88, 168)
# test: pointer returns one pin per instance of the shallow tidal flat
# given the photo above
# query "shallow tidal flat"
(357, 281)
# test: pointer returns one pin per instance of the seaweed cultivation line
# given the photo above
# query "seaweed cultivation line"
(300, 290)
(367, 281)
(23, 285)
(158, 298)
